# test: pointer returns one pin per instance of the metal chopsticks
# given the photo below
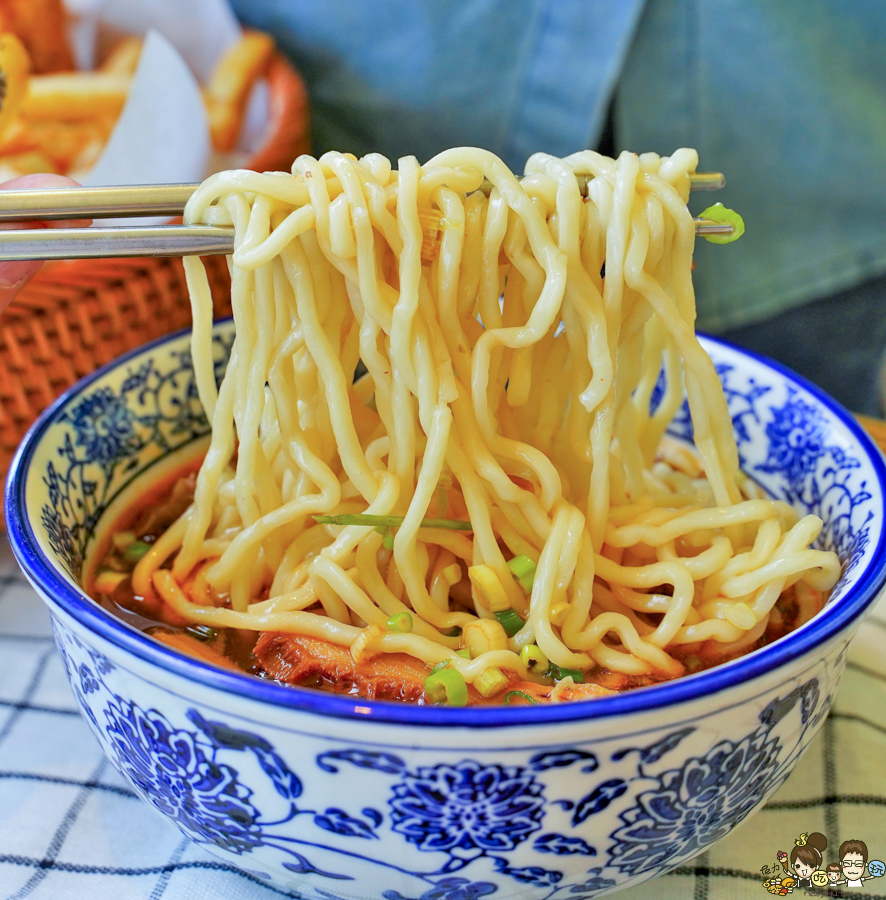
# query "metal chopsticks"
(95, 202)
(167, 199)
(99, 242)
(116, 241)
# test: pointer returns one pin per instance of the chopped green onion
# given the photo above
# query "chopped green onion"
(510, 621)
(464, 653)
(490, 682)
(526, 583)
(135, 551)
(521, 565)
(106, 582)
(451, 524)
(440, 666)
(202, 632)
(532, 657)
(454, 633)
(446, 687)
(387, 534)
(523, 569)
(391, 521)
(521, 695)
(401, 621)
(440, 500)
(122, 539)
(557, 673)
(724, 216)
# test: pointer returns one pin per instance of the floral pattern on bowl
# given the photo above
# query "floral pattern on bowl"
(500, 826)
(343, 799)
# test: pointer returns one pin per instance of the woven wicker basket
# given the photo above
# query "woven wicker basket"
(75, 316)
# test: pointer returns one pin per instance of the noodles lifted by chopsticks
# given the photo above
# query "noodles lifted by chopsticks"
(507, 387)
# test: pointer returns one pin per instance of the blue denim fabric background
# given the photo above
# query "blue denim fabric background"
(404, 78)
(787, 97)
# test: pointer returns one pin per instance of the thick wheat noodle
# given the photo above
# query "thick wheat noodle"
(508, 383)
(706, 563)
(655, 535)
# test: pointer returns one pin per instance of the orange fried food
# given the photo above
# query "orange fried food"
(75, 96)
(41, 26)
(65, 143)
(230, 84)
(123, 58)
(28, 163)
(14, 68)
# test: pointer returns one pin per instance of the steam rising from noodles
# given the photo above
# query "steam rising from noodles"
(511, 346)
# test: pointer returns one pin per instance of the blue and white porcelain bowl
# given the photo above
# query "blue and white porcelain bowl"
(336, 797)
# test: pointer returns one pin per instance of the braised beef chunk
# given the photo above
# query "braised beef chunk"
(312, 662)
(169, 507)
(541, 693)
(302, 660)
(587, 691)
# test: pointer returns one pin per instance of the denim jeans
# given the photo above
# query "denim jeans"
(837, 342)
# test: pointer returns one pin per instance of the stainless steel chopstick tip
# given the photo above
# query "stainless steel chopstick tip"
(115, 242)
(162, 240)
(54, 204)
(707, 181)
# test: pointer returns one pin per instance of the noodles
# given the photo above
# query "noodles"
(508, 384)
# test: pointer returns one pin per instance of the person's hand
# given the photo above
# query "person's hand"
(14, 275)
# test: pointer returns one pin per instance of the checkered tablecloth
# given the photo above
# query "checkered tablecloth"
(71, 829)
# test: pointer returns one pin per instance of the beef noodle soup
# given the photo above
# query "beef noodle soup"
(438, 469)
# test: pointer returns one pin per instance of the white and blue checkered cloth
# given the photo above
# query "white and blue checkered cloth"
(70, 828)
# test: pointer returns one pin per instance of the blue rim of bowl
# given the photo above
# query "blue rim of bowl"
(92, 616)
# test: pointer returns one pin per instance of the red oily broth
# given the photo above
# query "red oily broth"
(306, 662)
